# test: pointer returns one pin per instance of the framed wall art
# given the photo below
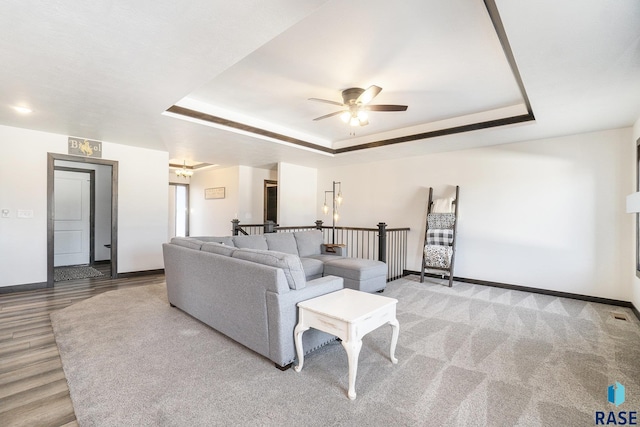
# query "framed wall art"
(214, 193)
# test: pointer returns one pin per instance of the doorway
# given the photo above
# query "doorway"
(78, 189)
(270, 200)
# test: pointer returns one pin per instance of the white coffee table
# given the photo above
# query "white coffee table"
(349, 315)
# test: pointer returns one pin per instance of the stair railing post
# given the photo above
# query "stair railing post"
(235, 224)
(382, 242)
(269, 226)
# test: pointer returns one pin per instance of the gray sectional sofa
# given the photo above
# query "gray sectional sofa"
(247, 287)
(359, 274)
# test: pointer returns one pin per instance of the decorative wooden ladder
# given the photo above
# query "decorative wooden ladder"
(449, 269)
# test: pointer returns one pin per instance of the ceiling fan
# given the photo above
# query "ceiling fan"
(356, 103)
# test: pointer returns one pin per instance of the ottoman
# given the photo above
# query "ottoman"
(360, 274)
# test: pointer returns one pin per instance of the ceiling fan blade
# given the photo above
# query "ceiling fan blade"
(366, 96)
(326, 101)
(386, 107)
(326, 116)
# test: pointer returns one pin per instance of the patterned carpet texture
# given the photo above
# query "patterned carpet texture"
(468, 356)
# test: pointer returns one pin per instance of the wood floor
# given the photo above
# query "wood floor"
(33, 388)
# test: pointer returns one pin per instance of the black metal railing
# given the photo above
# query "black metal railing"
(381, 243)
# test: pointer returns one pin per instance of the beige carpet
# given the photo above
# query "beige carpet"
(468, 356)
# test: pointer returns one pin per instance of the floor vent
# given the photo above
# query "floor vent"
(620, 316)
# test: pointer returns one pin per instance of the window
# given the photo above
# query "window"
(178, 210)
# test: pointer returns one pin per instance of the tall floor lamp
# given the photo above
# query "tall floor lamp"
(337, 201)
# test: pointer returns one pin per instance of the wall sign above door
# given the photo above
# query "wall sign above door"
(85, 147)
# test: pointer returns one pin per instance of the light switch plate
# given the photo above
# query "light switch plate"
(25, 213)
(6, 213)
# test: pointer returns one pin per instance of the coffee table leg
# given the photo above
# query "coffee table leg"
(395, 326)
(298, 331)
(353, 351)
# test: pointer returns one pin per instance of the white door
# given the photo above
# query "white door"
(72, 208)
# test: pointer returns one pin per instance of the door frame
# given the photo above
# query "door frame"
(267, 184)
(51, 158)
(92, 206)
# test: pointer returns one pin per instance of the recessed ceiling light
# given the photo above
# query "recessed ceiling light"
(22, 110)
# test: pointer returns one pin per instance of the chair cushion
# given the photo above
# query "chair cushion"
(218, 248)
(290, 264)
(282, 242)
(255, 241)
(308, 242)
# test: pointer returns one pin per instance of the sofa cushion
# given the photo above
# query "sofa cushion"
(225, 240)
(254, 241)
(355, 268)
(325, 257)
(289, 263)
(313, 268)
(187, 242)
(218, 248)
(308, 242)
(282, 242)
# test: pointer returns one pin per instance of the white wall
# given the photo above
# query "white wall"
(547, 214)
(142, 202)
(297, 196)
(252, 197)
(213, 217)
(142, 206)
(244, 199)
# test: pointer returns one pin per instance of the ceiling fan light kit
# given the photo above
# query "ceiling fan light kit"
(355, 117)
(356, 101)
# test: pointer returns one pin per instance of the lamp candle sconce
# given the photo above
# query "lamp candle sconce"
(337, 201)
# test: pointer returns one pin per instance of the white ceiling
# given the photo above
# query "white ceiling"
(107, 70)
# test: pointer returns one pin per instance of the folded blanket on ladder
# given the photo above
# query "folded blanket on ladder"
(441, 220)
(442, 205)
(438, 256)
(438, 236)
